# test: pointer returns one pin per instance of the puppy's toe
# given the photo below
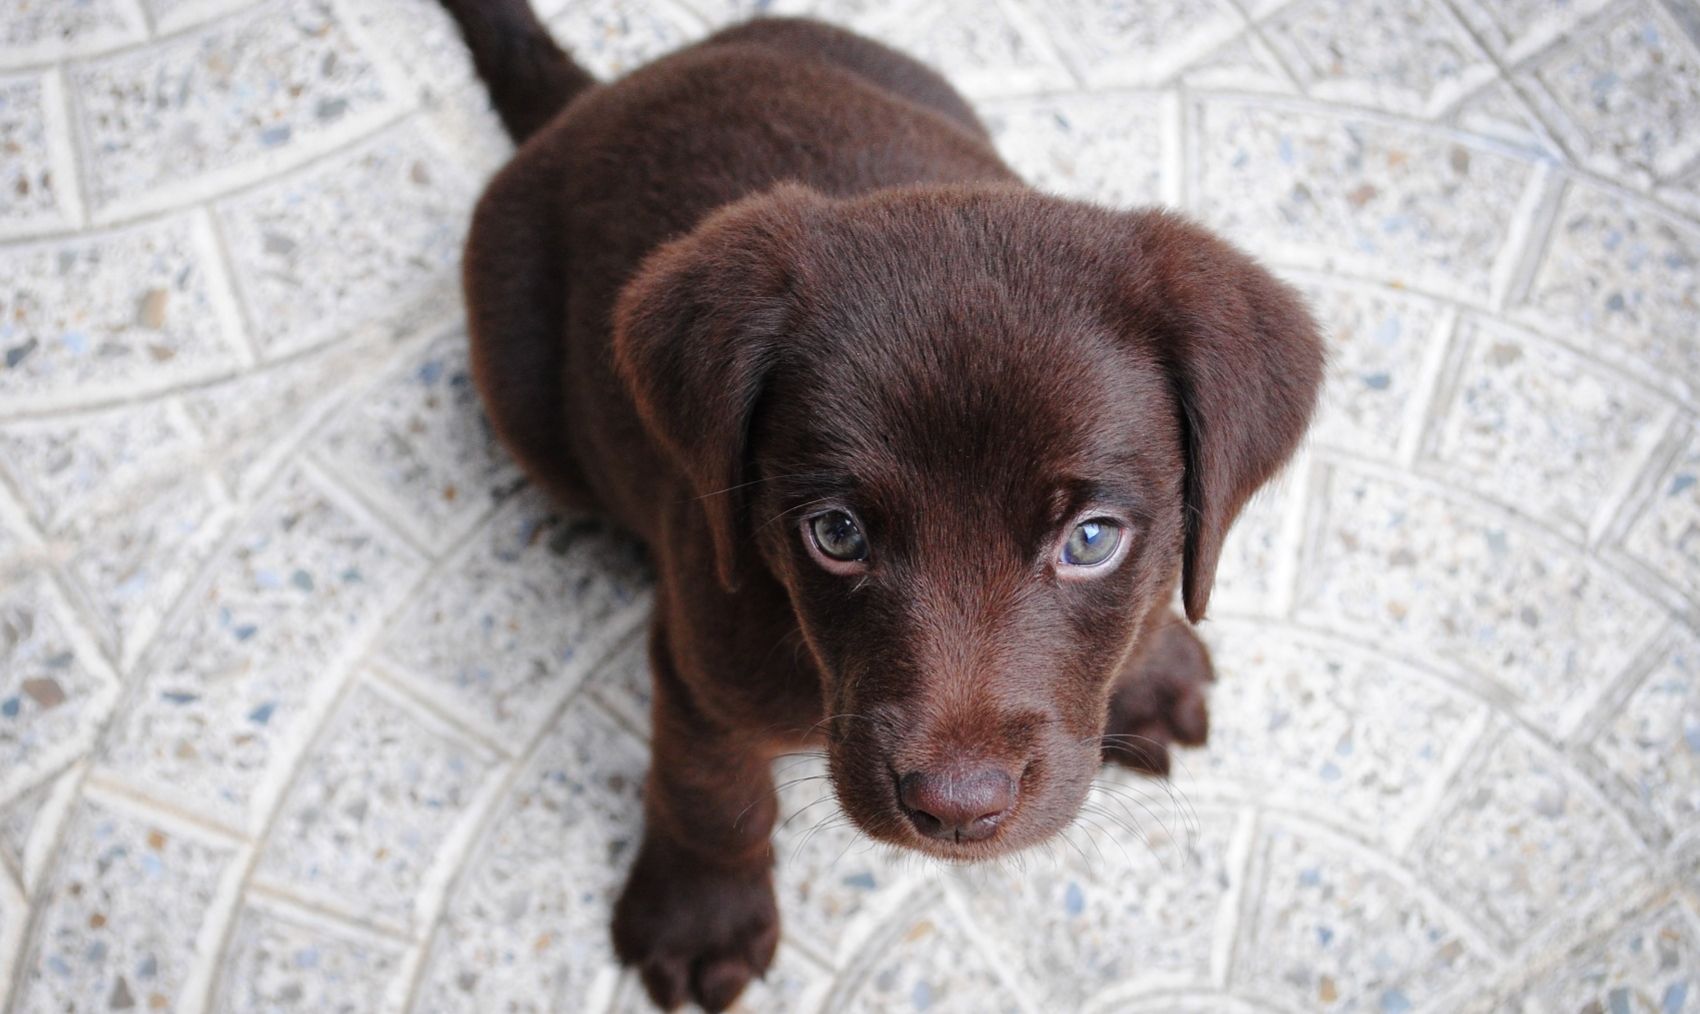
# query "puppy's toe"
(664, 979)
(720, 981)
(1188, 719)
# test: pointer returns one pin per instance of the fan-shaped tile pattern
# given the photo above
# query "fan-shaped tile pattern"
(308, 703)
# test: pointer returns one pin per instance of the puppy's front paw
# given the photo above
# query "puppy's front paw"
(695, 933)
(1160, 700)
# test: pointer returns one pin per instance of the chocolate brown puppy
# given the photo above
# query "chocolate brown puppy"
(920, 454)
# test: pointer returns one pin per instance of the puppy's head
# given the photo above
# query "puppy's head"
(975, 433)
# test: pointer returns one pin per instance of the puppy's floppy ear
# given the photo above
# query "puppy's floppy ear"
(696, 330)
(1246, 363)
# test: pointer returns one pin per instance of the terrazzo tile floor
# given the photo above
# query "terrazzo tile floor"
(307, 702)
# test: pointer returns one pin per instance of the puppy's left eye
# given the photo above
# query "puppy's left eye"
(1091, 543)
(838, 537)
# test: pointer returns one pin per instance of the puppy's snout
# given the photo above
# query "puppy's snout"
(955, 806)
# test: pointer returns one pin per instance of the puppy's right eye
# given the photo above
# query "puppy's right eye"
(837, 537)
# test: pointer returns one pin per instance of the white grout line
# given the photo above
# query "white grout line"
(59, 125)
(1526, 237)
(1237, 901)
(1431, 394)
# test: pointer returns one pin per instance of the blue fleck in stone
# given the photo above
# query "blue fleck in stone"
(268, 579)
(1324, 936)
(1074, 899)
(1682, 481)
(1676, 994)
(18, 353)
(307, 957)
(1330, 772)
(1394, 1002)
(9, 707)
(271, 137)
(96, 951)
(922, 995)
(352, 575)
(180, 697)
(262, 714)
(245, 631)
(147, 968)
(1377, 381)
(431, 371)
(1310, 877)
(1619, 1000)
(1285, 150)
(58, 965)
(151, 864)
(863, 881)
(302, 580)
(1691, 736)
(1614, 302)
(75, 342)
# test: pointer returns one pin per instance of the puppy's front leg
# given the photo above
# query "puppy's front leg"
(697, 918)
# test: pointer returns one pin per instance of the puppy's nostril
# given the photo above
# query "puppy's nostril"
(956, 807)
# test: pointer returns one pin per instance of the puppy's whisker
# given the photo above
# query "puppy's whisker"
(1110, 792)
(1126, 826)
(854, 838)
(1071, 843)
(772, 793)
(878, 723)
(792, 510)
(830, 821)
(757, 482)
(796, 632)
(1093, 838)
(803, 809)
(1176, 795)
(1179, 801)
(795, 761)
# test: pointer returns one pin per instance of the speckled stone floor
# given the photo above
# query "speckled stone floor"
(306, 703)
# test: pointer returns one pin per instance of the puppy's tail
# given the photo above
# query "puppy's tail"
(529, 77)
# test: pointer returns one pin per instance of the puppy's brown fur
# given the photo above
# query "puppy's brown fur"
(783, 271)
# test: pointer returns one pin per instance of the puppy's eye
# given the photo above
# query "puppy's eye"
(1091, 543)
(839, 537)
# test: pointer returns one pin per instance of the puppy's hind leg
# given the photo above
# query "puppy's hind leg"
(1159, 699)
(515, 279)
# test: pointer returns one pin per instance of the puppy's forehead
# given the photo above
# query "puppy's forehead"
(974, 413)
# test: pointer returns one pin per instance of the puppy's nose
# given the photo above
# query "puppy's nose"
(956, 807)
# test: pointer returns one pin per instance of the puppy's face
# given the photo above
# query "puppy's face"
(976, 434)
(972, 504)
